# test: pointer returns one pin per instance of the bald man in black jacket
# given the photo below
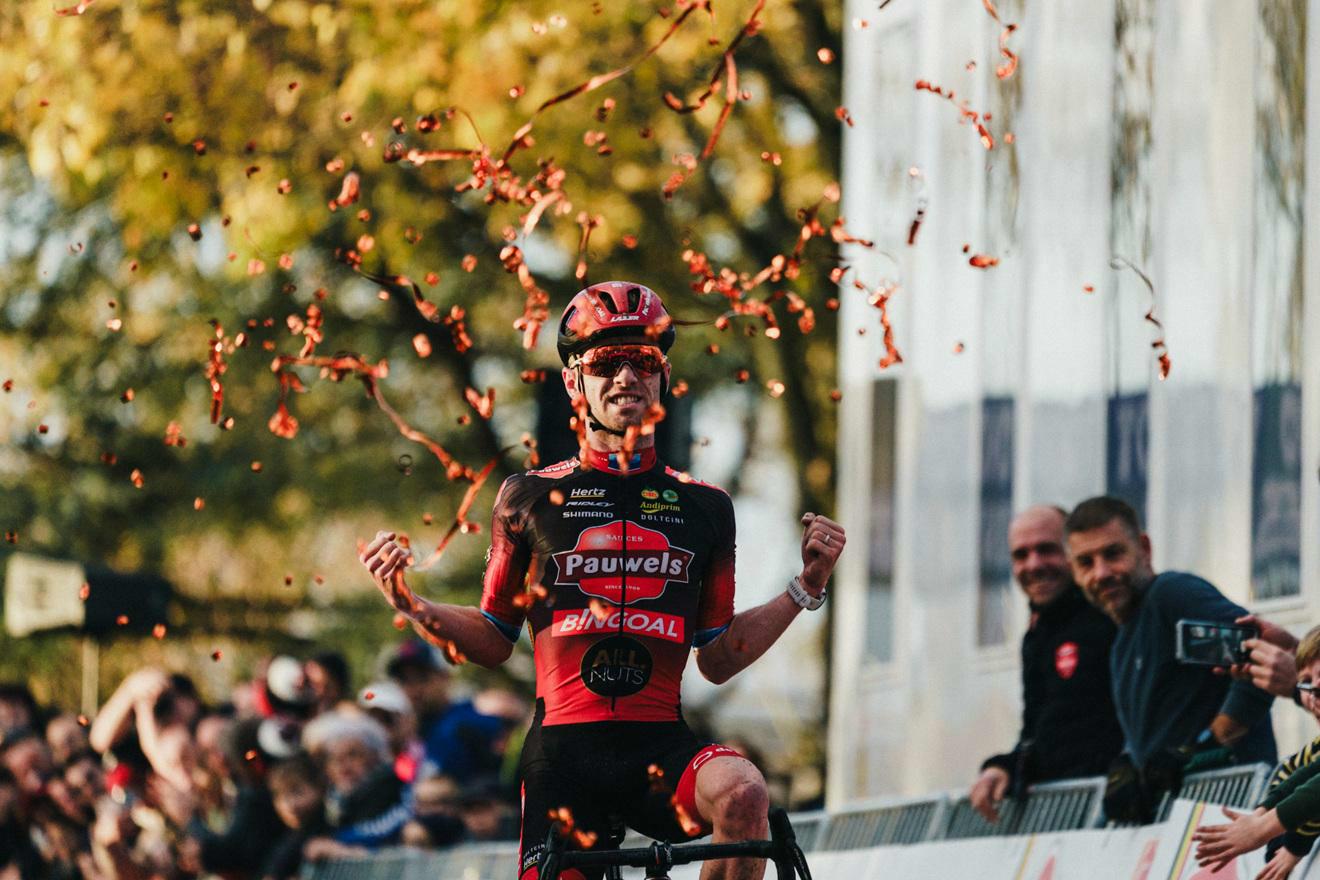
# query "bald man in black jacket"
(1069, 727)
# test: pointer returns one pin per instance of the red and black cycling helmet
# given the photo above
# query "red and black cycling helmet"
(614, 311)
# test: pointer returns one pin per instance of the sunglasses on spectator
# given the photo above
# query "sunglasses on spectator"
(606, 361)
(1308, 687)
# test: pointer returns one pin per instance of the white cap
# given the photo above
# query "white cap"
(386, 696)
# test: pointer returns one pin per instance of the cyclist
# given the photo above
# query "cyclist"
(621, 568)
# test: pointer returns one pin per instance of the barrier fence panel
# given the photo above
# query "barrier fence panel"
(1050, 807)
(1063, 806)
(1236, 787)
(882, 822)
(1067, 805)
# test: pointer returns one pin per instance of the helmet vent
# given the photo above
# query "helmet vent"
(608, 301)
(634, 299)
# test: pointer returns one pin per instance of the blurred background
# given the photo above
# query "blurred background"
(170, 173)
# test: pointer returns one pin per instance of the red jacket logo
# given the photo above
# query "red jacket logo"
(1065, 660)
(599, 563)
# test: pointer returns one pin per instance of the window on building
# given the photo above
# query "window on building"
(1277, 299)
(996, 574)
(880, 549)
(1126, 442)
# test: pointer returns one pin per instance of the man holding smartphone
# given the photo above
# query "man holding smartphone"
(1175, 716)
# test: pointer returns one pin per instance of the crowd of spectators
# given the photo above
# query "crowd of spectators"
(295, 766)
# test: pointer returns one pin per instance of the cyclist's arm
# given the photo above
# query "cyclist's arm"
(473, 635)
(749, 635)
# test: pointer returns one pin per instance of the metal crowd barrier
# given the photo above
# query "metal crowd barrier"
(1237, 787)
(879, 823)
(1053, 806)
(1050, 806)
(473, 861)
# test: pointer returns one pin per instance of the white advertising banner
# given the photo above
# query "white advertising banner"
(42, 594)
(1151, 852)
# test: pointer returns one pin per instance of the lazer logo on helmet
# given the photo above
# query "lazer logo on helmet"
(598, 564)
(616, 667)
(643, 623)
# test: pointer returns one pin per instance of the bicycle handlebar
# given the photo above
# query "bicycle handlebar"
(782, 849)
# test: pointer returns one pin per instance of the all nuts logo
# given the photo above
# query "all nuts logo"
(598, 563)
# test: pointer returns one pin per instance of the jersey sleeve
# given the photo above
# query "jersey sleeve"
(506, 564)
(715, 610)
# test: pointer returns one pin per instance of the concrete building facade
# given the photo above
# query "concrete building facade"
(1134, 138)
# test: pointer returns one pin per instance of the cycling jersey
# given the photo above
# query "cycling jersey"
(636, 569)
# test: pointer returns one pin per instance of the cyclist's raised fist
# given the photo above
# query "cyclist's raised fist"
(822, 542)
(385, 560)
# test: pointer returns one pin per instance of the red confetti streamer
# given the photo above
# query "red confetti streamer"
(483, 404)
(982, 261)
(215, 368)
(879, 298)
(77, 9)
(965, 113)
(588, 222)
(1159, 346)
(174, 435)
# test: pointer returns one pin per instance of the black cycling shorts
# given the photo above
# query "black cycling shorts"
(602, 771)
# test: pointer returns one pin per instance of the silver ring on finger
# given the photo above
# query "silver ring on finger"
(827, 539)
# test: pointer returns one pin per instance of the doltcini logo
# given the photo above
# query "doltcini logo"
(598, 563)
(616, 667)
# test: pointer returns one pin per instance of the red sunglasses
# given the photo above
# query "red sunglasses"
(606, 361)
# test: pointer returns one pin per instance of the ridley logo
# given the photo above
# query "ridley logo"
(599, 563)
(640, 623)
(1065, 660)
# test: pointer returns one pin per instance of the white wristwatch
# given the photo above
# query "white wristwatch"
(799, 594)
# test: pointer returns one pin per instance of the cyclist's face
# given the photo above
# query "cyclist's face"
(623, 395)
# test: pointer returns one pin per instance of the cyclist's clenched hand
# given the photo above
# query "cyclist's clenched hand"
(385, 560)
(822, 542)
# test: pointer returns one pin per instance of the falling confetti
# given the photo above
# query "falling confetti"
(1160, 348)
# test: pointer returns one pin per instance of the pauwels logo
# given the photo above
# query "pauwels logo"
(598, 562)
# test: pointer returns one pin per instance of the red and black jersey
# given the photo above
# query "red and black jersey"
(637, 568)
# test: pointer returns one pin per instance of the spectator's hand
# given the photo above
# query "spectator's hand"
(988, 792)
(320, 848)
(1279, 867)
(145, 685)
(1270, 632)
(1270, 668)
(1217, 845)
(1125, 798)
(113, 824)
(386, 560)
(822, 542)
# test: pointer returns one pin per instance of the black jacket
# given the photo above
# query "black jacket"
(1069, 727)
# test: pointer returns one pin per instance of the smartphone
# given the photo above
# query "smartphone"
(1208, 643)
